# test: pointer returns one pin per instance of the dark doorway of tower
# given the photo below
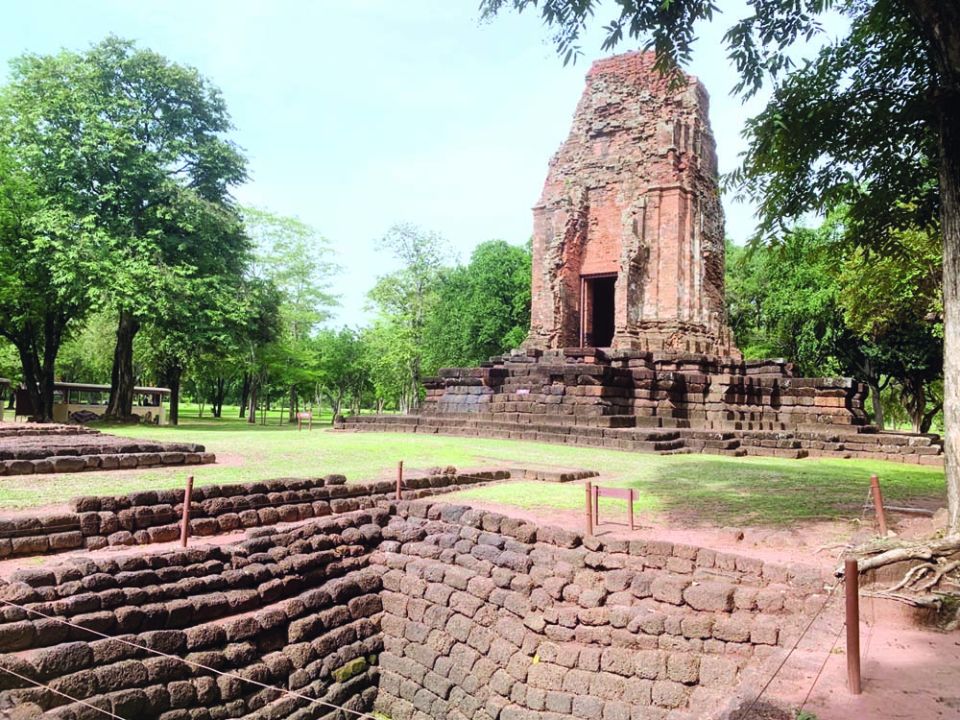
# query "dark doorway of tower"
(596, 309)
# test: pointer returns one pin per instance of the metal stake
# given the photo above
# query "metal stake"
(185, 524)
(589, 493)
(851, 576)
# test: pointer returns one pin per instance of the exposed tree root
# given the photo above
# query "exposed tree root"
(927, 584)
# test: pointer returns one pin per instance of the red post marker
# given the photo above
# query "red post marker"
(589, 494)
(878, 504)
(851, 578)
(399, 478)
(185, 524)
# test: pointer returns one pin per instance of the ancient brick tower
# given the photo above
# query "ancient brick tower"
(628, 233)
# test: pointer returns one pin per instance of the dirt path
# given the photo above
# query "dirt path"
(908, 671)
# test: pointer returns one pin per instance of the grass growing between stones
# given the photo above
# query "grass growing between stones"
(691, 489)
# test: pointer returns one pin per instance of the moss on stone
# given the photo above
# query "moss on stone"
(350, 669)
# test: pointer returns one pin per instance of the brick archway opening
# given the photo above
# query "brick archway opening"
(598, 293)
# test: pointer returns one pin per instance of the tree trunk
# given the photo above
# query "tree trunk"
(30, 362)
(950, 199)
(939, 22)
(244, 395)
(877, 405)
(292, 415)
(173, 381)
(219, 388)
(252, 407)
(120, 406)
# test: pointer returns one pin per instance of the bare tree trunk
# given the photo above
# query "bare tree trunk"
(173, 380)
(950, 199)
(252, 407)
(32, 372)
(245, 395)
(878, 419)
(292, 414)
(219, 387)
(939, 22)
(120, 405)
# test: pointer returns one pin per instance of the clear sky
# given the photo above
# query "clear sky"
(357, 114)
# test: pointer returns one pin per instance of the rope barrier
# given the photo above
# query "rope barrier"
(72, 699)
(826, 658)
(191, 663)
(783, 662)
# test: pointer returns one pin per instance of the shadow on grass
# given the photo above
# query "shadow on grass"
(780, 492)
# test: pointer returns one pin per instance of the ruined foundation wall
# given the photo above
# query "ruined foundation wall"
(488, 617)
(297, 610)
(419, 609)
(152, 516)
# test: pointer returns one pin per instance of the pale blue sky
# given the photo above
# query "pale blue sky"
(357, 114)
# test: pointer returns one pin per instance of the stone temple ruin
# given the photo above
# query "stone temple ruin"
(629, 346)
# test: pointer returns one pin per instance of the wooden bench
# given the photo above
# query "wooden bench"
(301, 416)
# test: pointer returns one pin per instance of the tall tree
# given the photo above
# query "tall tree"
(135, 144)
(298, 261)
(406, 297)
(894, 81)
(46, 256)
(482, 308)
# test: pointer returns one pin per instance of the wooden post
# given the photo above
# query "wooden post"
(399, 478)
(185, 524)
(630, 508)
(596, 505)
(589, 507)
(878, 504)
(851, 577)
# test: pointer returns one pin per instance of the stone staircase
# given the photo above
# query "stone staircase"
(668, 437)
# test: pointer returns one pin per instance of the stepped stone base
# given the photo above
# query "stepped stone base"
(666, 403)
(48, 448)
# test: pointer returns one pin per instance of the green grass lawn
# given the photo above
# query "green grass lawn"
(690, 489)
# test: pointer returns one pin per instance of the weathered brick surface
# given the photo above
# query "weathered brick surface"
(633, 193)
(593, 631)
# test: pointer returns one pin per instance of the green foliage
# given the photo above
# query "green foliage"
(482, 309)
(833, 308)
(783, 300)
(125, 148)
(405, 298)
(87, 355)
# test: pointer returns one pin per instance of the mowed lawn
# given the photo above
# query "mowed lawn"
(693, 489)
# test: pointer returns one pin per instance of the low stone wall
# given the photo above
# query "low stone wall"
(656, 402)
(35, 449)
(486, 616)
(151, 516)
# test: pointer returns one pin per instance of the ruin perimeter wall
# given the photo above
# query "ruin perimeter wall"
(419, 609)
